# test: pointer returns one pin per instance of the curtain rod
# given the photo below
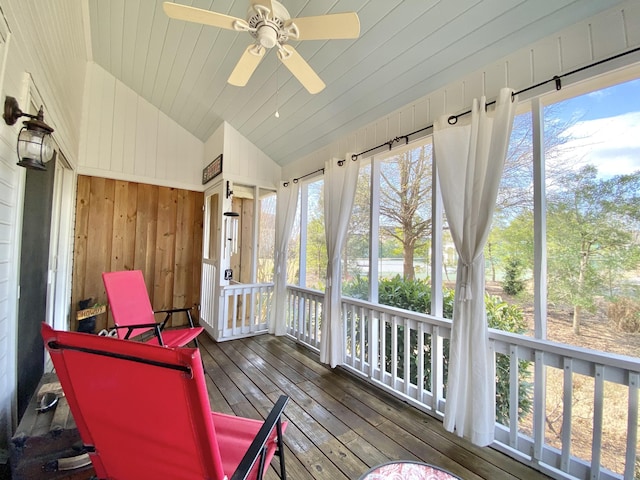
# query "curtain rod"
(453, 119)
(295, 180)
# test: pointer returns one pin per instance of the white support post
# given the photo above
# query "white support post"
(567, 413)
(539, 405)
(598, 407)
(632, 426)
(539, 222)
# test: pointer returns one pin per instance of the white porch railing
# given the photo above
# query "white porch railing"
(304, 312)
(246, 309)
(241, 310)
(208, 314)
(394, 348)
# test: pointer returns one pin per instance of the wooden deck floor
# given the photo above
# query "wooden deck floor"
(339, 426)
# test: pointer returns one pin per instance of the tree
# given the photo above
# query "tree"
(316, 248)
(405, 202)
(316, 253)
(515, 195)
(591, 236)
(358, 233)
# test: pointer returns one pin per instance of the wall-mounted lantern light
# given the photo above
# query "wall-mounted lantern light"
(35, 145)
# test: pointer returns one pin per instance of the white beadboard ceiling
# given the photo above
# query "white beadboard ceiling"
(407, 49)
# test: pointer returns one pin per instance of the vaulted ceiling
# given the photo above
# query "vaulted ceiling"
(406, 49)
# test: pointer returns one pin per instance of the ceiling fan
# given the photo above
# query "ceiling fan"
(269, 22)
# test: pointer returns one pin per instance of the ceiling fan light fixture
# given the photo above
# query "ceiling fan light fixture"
(267, 36)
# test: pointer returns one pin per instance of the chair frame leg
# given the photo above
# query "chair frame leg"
(280, 451)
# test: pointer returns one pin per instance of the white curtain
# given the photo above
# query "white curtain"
(470, 157)
(285, 215)
(339, 193)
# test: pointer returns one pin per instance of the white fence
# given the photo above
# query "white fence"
(246, 309)
(242, 309)
(208, 314)
(393, 348)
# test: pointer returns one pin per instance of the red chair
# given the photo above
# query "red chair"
(142, 411)
(133, 314)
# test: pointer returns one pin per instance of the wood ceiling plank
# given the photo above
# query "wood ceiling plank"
(161, 38)
(98, 37)
(194, 71)
(116, 26)
(186, 50)
(144, 27)
(169, 55)
(129, 40)
(214, 91)
(212, 47)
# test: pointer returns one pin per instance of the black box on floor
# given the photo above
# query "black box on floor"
(43, 438)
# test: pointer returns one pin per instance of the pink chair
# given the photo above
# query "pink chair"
(142, 411)
(133, 314)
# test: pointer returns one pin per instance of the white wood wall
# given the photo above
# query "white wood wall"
(55, 59)
(127, 138)
(607, 34)
(245, 163)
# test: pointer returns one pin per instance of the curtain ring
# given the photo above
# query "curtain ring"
(354, 157)
(340, 163)
(558, 82)
(285, 184)
(452, 120)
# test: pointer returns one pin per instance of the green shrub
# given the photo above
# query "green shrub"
(356, 288)
(413, 295)
(513, 283)
(502, 316)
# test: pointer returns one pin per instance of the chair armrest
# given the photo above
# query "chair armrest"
(171, 311)
(130, 328)
(257, 446)
(137, 325)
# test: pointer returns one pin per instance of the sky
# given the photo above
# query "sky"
(607, 133)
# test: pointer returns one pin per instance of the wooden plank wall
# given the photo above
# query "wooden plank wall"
(129, 226)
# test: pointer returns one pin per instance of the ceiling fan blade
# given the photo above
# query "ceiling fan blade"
(246, 65)
(265, 3)
(300, 69)
(205, 17)
(327, 27)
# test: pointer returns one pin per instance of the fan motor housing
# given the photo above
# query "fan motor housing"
(268, 27)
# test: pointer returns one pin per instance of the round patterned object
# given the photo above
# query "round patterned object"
(406, 470)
